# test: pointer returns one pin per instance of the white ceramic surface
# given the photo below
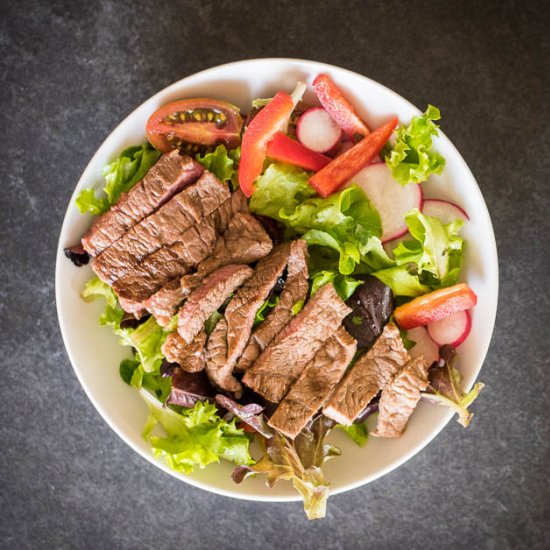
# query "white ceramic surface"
(95, 353)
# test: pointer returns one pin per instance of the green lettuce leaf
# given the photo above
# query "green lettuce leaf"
(432, 259)
(195, 437)
(265, 308)
(357, 432)
(343, 284)
(280, 190)
(412, 158)
(298, 461)
(120, 176)
(222, 163)
(445, 387)
(346, 222)
(146, 339)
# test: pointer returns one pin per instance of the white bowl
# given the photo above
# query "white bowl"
(95, 353)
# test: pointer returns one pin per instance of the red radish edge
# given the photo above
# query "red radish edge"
(383, 202)
(455, 327)
(424, 347)
(327, 133)
(447, 205)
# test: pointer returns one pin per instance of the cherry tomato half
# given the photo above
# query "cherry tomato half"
(200, 121)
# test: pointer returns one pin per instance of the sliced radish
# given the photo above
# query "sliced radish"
(453, 329)
(424, 347)
(446, 211)
(317, 131)
(391, 199)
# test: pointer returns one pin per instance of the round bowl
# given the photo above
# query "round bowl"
(95, 353)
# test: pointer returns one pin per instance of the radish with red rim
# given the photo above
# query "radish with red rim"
(317, 130)
(391, 199)
(424, 345)
(452, 330)
(446, 211)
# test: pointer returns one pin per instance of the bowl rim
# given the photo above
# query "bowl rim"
(60, 259)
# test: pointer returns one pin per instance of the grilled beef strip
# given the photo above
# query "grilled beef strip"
(208, 297)
(190, 357)
(400, 397)
(195, 245)
(245, 241)
(241, 311)
(315, 385)
(283, 360)
(368, 376)
(217, 368)
(163, 228)
(294, 290)
(168, 176)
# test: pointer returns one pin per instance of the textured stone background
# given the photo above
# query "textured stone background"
(70, 71)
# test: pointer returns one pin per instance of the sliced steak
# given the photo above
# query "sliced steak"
(315, 385)
(242, 309)
(282, 362)
(196, 244)
(208, 297)
(190, 357)
(168, 176)
(294, 291)
(400, 397)
(163, 265)
(217, 368)
(368, 376)
(245, 241)
(163, 228)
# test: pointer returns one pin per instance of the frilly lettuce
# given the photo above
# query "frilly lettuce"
(444, 388)
(412, 158)
(222, 163)
(298, 461)
(120, 176)
(194, 437)
(431, 259)
(345, 222)
(146, 339)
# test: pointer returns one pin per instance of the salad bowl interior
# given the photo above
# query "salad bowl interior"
(95, 353)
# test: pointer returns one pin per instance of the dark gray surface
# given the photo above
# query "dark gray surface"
(72, 70)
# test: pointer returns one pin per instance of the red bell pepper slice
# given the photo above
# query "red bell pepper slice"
(344, 167)
(256, 137)
(338, 107)
(435, 306)
(285, 149)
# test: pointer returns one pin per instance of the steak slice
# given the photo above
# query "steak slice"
(208, 297)
(242, 309)
(245, 241)
(190, 357)
(162, 228)
(294, 291)
(400, 397)
(368, 376)
(195, 245)
(168, 176)
(218, 369)
(282, 362)
(166, 263)
(315, 385)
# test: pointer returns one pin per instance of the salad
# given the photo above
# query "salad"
(277, 274)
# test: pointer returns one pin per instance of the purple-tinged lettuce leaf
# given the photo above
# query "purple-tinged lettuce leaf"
(299, 462)
(249, 414)
(188, 388)
(444, 388)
